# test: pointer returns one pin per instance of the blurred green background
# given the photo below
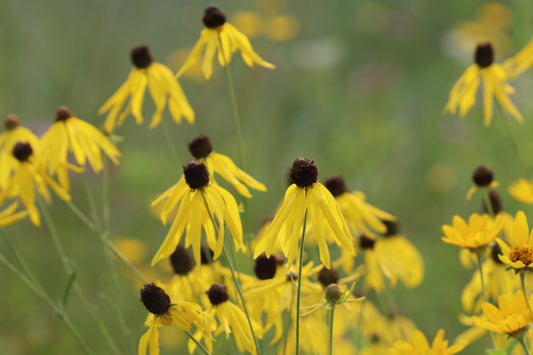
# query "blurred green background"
(359, 88)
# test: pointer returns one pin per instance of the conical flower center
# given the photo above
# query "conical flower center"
(482, 176)
(484, 55)
(213, 17)
(22, 151)
(217, 294)
(392, 228)
(141, 56)
(11, 122)
(200, 147)
(303, 172)
(181, 261)
(63, 113)
(265, 268)
(155, 299)
(328, 277)
(336, 185)
(366, 242)
(333, 293)
(522, 253)
(196, 174)
(206, 255)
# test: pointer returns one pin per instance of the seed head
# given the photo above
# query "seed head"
(265, 268)
(206, 255)
(11, 122)
(392, 228)
(333, 293)
(155, 299)
(217, 294)
(196, 174)
(336, 185)
(482, 176)
(181, 261)
(484, 55)
(213, 17)
(303, 172)
(63, 113)
(141, 56)
(366, 242)
(328, 276)
(22, 151)
(200, 147)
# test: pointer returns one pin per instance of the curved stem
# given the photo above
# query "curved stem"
(299, 291)
(331, 315)
(170, 143)
(513, 141)
(204, 350)
(521, 340)
(524, 289)
(481, 276)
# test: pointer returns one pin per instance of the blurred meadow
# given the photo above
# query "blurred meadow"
(359, 88)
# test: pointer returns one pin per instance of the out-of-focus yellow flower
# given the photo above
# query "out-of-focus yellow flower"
(14, 133)
(26, 178)
(522, 190)
(519, 254)
(463, 93)
(420, 346)
(202, 150)
(9, 216)
(478, 233)
(162, 86)
(281, 28)
(224, 37)
(521, 62)
(249, 23)
(361, 217)
(199, 202)
(511, 315)
(305, 196)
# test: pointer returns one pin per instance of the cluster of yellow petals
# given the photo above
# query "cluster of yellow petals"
(518, 254)
(477, 233)
(419, 345)
(522, 190)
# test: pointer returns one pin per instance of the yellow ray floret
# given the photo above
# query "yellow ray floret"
(478, 233)
(8, 216)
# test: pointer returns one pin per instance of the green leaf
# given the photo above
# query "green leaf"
(496, 352)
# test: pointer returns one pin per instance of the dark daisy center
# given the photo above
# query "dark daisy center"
(181, 261)
(303, 172)
(366, 242)
(484, 55)
(524, 253)
(11, 122)
(482, 176)
(22, 151)
(206, 255)
(328, 276)
(217, 294)
(265, 268)
(200, 147)
(196, 174)
(63, 113)
(155, 299)
(336, 185)
(213, 17)
(392, 228)
(141, 56)
(494, 252)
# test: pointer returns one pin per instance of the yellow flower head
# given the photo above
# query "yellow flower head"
(202, 150)
(26, 177)
(222, 36)
(306, 196)
(519, 254)
(84, 141)
(233, 319)
(482, 177)
(14, 133)
(201, 203)
(162, 86)
(361, 217)
(463, 93)
(166, 312)
(8, 216)
(521, 62)
(478, 233)
(420, 346)
(511, 315)
(522, 190)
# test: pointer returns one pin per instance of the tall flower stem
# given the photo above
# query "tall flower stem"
(513, 141)
(481, 276)
(299, 291)
(204, 350)
(285, 336)
(524, 289)
(170, 143)
(524, 346)
(331, 317)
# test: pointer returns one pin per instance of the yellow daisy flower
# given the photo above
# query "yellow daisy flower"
(162, 86)
(494, 77)
(522, 190)
(200, 202)
(232, 319)
(14, 133)
(511, 315)
(84, 141)
(478, 233)
(202, 150)
(166, 312)
(420, 346)
(224, 37)
(305, 196)
(521, 62)
(26, 177)
(361, 217)
(483, 178)
(8, 216)
(519, 254)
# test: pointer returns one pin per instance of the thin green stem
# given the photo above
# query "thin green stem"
(524, 289)
(481, 276)
(92, 204)
(299, 291)
(331, 315)
(170, 143)
(513, 141)
(285, 336)
(204, 350)
(21, 260)
(233, 98)
(521, 341)
(106, 210)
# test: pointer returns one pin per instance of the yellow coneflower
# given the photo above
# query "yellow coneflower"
(84, 141)
(162, 86)
(224, 37)
(361, 217)
(202, 150)
(14, 133)
(522, 190)
(305, 195)
(494, 77)
(9, 216)
(199, 202)
(420, 346)
(166, 312)
(478, 233)
(519, 253)
(26, 178)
